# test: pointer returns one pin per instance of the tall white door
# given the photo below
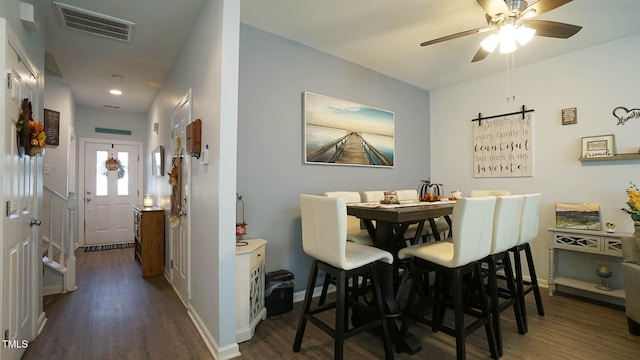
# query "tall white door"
(179, 235)
(19, 208)
(109, 194)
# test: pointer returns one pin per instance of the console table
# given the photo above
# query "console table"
(605, 245)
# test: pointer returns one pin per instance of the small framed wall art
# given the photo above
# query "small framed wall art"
(569, 116)
(597, 146)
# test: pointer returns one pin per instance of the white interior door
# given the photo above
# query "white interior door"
(109, 194)
(20, 210)
(179, 235)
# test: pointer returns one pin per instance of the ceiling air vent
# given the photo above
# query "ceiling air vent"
(91, 22)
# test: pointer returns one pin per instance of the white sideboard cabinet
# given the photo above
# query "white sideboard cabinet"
(590, 247)
(250, 260)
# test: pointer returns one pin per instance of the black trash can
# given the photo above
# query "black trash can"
(278, 293)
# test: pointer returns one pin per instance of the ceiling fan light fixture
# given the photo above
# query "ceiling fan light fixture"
(524, 34)
(507, 46)
(529, 14)
(507, 31)
(490, 43)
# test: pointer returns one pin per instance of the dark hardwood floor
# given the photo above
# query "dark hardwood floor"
(571, 329)
(115, 314)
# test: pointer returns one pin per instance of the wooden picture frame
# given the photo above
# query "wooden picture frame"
(341, 132)
(569, 116)
(597, 146)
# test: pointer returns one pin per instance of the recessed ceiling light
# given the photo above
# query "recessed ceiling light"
(115, 92)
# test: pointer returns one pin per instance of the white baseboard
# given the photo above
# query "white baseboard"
(42, 320)
(52, 289)
(228, 352)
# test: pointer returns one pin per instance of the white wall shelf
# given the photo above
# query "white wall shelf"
(633, 156)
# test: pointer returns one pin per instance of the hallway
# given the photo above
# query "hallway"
(116, 314)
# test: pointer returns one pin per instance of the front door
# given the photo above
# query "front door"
(110, 188)
(179, 234)
(19, 207)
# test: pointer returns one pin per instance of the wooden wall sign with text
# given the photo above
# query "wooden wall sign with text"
(502, 147)
(52, 127)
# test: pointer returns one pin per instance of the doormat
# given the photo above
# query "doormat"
(108, 247)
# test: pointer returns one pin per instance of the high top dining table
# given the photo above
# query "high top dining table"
(391, 223)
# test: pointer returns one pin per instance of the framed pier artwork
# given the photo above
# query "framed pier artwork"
(340, 132)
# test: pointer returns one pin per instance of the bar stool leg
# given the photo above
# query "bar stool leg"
(459, 314)
(341, 309)
(534, 279)
(513, 291)
(297, 343)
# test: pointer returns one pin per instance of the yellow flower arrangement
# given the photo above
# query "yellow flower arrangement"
(633, 203)
(38, 137)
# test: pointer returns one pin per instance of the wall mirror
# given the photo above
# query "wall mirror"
(157, 161)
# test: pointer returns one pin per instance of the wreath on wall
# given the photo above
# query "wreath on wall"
(113, 164)
(30, 135)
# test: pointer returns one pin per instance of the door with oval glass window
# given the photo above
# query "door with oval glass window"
(110, 188)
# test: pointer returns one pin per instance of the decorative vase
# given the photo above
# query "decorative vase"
(636, 227)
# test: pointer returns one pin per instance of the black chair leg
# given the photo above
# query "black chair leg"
(534, 279)
(341, 311)
(379, 304)
(492, 283)
(458, 308)
(513, 291)
(325, 289)
(490, 331)
(520, 288)
(297, 343)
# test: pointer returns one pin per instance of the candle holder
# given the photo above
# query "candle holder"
(603, 271)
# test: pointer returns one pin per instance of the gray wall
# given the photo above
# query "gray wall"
(274, 74)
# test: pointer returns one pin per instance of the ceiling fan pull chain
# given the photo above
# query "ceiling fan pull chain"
(510, 77)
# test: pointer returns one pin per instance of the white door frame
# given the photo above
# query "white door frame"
(81, 189)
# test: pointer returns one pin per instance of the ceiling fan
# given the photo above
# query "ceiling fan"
(512, 20)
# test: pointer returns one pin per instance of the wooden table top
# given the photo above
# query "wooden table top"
(401, 214)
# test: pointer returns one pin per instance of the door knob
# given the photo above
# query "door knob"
(34, 221)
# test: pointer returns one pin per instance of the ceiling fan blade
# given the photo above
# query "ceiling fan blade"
(543, 6)
(553, 29)
(493, 7)
(455, 36)
(480, 55)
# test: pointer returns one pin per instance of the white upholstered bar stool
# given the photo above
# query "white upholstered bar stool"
(480, 193)
(506, 229)
(454, 260)
(528, 231)
(324, 237)
(354, 234)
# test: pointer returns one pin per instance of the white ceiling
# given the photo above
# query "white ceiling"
(381, 35)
